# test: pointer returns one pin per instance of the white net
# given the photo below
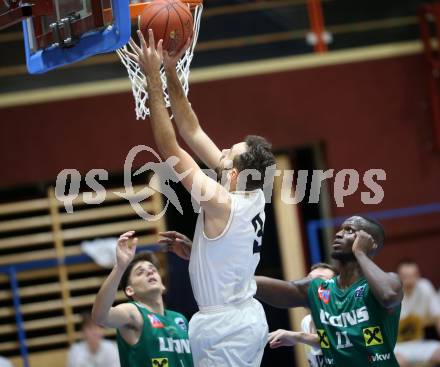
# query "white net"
(138, 80)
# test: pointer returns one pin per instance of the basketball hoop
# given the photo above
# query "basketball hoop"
(135, 74)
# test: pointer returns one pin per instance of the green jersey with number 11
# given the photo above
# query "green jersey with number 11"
(353, 328)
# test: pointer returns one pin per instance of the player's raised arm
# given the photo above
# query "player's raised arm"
(386, 287)
(186, 120)
(216, 201)
(281, 293)
(103, 313)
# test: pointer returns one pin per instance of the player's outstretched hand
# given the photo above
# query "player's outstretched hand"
(177, 243)
(126, 249)
(282, 338)
(148, 55)
(170, 59)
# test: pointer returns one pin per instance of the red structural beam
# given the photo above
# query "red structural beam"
(316, 19)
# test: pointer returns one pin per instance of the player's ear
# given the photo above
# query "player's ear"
(233, 173)
(129, 291)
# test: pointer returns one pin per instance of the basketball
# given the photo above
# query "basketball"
(170, 20)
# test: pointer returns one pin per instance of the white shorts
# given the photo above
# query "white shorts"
(231, 336)
(417, 351)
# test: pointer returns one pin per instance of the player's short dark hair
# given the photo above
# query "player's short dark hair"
(140, 257)
(258, 156)
(324, 266)
(375, 229)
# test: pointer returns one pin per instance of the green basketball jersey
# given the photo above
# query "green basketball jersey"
(163, 342)
(353, 328)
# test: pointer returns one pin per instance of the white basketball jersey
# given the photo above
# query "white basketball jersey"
(314, 355)
(222, 269)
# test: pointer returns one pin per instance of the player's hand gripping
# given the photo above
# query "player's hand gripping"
(363, 243)
(148, 56)
(177, 243)
(170, 59)
(283, 338)
(126, 249)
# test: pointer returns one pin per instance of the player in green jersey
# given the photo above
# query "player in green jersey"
(148, 335)
(357, 312)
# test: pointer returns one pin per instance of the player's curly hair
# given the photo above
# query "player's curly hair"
(258, 157)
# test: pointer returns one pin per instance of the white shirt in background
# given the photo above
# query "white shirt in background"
(418, 308)
(5, 362)
(314, 355)
(106, 356)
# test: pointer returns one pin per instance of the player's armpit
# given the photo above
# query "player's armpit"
(397, 290)
(125, 315)
(387, 289)
(281, 293)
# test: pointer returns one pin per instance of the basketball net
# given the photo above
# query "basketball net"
(137, 77)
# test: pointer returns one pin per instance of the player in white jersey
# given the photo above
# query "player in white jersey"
(231, 328)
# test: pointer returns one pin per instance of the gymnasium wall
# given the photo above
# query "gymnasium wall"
(371, 114)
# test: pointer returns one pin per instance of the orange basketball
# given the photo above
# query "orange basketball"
(170, 20)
